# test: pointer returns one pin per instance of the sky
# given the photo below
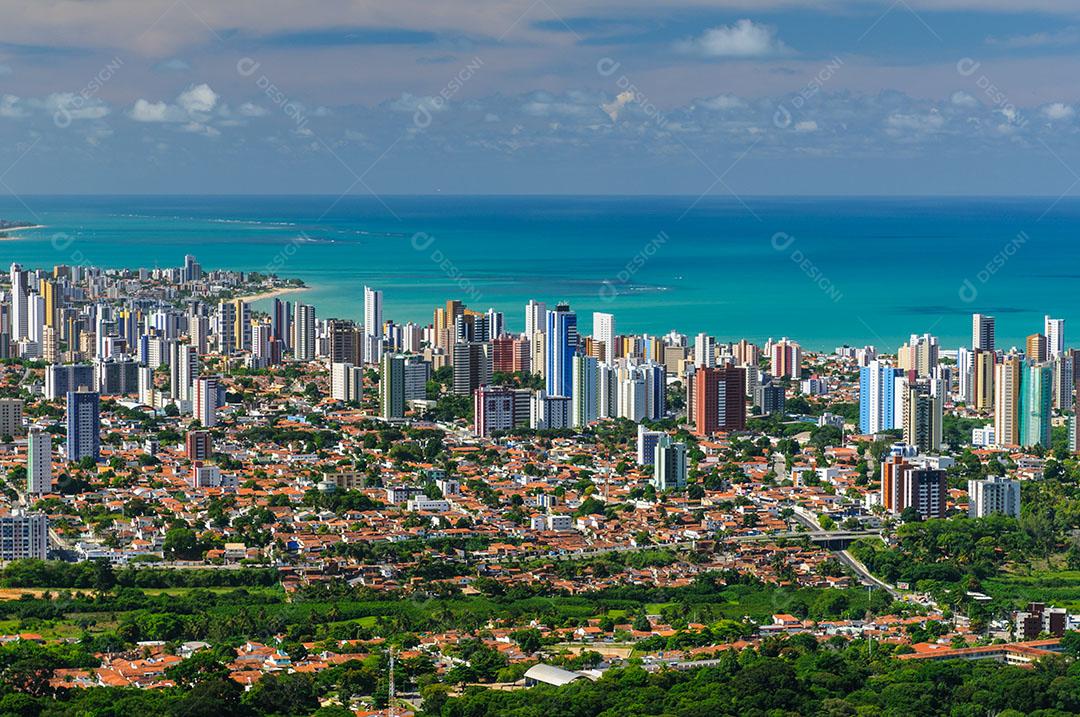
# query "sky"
(704, 98)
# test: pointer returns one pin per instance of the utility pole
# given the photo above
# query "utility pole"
(390, 691)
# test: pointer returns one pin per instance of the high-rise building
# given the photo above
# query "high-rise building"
(206, 400)
(705, 351)
(346, 382)
(1064, 381)
(61, 378)
(38, 462)
(891, 468)
(11, 417)
(24, 536)
(549, 412)
(562, 341)
(786, 358)
(241, 325)
(535, 318)
(83, 425)
(719, 400)
(924, 489)
(585, 391)
(918, 355)
(1036, 348)
(669, 465)
(472, 367)
(304, 344)
(995, 495)
(1054, 329)
(495, 408)
(281, 322)
(983, 368)
(646, 445)
(20, 309)
(922, 417)
(373, 325)
(604, 333)
(511, 354)
(1007, 380)
(392, 386)
(877, 397)
(198, 445)
(982, 332)
(1035, 405)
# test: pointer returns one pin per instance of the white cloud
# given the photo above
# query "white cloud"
(963, 99)
(249, 109)
(198, 99)
(145, 111)
(743, 39)
(613, 108)
(722, 102)
(1059, 38)
(193, 107)
(806, 126)
(1058, 111)
(928, 123)
(73, 106)
(11, 107)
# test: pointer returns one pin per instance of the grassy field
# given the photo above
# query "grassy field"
(1060, 588)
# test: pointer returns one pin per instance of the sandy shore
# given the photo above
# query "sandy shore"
(273, 294)
(12, 233)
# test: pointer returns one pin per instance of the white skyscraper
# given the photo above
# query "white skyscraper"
(535, 317)
(38, 462)
(206, 400)
(604, 333)
(1055, 336)
(373, 325)
(183, 368)
(705, 351)
(20, 312)
(35, 322)
(346, 382)
(994, 495)
(982, 332)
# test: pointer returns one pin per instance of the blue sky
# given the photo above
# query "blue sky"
(729, 98)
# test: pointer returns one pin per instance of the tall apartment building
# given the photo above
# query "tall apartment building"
(392, 386)
(304, 342)
(719, 400)
(786, 358)
(346, 382)
(472, 367)
(83, 425)
(206, 400)
(38, 462)
(982, 332)
(11, 417)
(995, 495)
(669, 465)
(24, 536)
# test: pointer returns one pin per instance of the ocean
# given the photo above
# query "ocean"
(822, 271)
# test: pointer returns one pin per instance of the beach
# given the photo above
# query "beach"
(272, 294)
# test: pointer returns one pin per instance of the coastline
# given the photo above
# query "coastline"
(272, 294)
(12, 233)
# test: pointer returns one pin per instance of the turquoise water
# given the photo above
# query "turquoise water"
(823, 271)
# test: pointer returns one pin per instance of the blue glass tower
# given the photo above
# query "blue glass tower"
(83, 425)
(562, 341)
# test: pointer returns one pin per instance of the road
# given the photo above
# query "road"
(864, 574)
(849, 560)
